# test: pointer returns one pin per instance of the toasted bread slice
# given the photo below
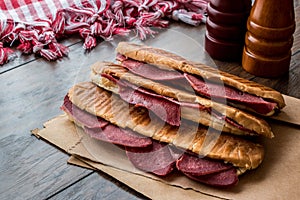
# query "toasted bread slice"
(167, 60)
(257, 125)
(198, 139)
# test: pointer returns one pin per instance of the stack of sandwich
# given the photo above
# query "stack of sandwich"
(172, 115)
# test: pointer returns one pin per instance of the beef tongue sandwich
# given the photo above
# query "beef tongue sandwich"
(159, 65)
(173, 105)
(200, 153)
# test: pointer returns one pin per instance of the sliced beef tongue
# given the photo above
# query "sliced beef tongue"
(197, 166)
(232, 95)
(221, 179)
(207, 171)
(165, 108)
(81, 116)
(147, 70)
(168, 111)
(156, 159)
(101, 129)
(116, 135)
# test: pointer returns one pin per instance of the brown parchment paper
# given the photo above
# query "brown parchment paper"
(278, 177)
(290, 113)
(140, 183)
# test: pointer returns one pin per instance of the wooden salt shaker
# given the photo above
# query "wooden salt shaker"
(226, 28)
(269, 38)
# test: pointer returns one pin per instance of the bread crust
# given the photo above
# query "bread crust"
(97, 101)
(164, 59)
(258, 125)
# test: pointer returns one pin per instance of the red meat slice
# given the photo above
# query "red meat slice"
(89, 120)
(196, 166)
(101, 129)
(209, 89)
(147, 70)
(165, 108)
(221, 179)
(156, 159)
(168, 111)
(116, 135)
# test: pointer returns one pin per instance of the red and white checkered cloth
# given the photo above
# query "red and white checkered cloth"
(35, 25)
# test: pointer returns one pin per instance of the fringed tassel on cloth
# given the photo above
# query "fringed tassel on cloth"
(5, 54)
(93, 20)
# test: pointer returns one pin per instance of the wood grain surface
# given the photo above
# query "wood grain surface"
(31, 93)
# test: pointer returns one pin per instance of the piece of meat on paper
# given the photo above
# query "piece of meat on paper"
(221, 179)
(156, 159)
(196, 166)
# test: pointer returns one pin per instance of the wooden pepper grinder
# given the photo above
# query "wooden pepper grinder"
(269, 38)
(226, 28)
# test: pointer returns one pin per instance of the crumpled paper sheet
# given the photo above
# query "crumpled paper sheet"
(278, 177)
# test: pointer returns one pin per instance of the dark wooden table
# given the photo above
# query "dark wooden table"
(31, 93)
